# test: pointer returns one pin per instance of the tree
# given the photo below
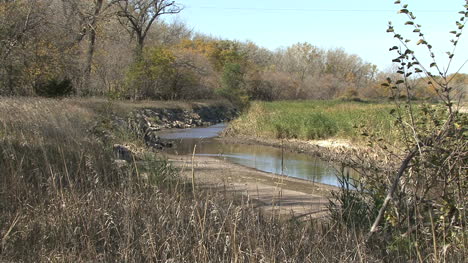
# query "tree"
(152, 75)
(19, 23)
(89, 14)
(233, 85)
(137, 16)
(168, 34)
(195, 77)
(302, 60)
(35, 46)
(311, 69)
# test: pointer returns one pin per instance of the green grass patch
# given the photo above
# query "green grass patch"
(311, 120)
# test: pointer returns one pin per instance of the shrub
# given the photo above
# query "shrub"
(54, 88)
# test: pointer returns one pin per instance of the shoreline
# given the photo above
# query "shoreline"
(272, 193)
(299, 196)
(340, 151)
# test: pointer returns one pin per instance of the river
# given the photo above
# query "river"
(260, 157)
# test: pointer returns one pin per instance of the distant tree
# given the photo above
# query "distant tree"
(19, 24)
(137, 16)
(233, 85)
(195, 76)
(169, 34)
(89, 14)
(261, 57)
(35, 45)
(302, 60)
(152, 75)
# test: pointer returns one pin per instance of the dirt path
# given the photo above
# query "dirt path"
(270, 192)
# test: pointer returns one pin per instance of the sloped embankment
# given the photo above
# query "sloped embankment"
(145, 123)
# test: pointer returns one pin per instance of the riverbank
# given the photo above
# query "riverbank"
(355, 134)
(339, 151)
(252, 172)
(315, 120)
(270, 192)
(274, 193)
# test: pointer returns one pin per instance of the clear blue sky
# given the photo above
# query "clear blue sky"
(357, 26)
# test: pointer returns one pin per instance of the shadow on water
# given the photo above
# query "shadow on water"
(263, 158)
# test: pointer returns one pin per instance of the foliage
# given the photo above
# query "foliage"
(233, 85)
(309, 120)
(138, 18)
(355, 206)
(86, 43)
(151, 76)
(32, 50)
(54, 88)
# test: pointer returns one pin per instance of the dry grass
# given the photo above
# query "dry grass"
(62, 199)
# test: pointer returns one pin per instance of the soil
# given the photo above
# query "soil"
(270, 192)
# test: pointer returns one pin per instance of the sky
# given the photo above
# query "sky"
(357, 26)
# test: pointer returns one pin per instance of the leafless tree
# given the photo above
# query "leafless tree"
(89, 14)
(139, 15)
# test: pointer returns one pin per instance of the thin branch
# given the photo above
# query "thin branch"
(391, 191)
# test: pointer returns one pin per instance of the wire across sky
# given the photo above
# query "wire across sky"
(313, 10)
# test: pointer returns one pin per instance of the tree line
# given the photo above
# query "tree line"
(123, 49)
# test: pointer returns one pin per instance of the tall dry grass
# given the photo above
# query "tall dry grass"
(63, 199)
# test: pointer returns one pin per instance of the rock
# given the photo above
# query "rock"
(122, 152)
(146, 123)
(120, 163)
(153, 129)
(178, 124)
(154, 141)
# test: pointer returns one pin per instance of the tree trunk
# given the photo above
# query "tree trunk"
(139, 47)
(10, 75)
(91, 47)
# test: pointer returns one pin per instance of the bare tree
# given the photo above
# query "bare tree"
(89, 14)
(139, 15)
(301, 60)
(21, 24)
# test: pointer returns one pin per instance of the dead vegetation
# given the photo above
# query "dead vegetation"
(63, 199)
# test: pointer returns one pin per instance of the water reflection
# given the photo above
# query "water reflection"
(264, 158)
(195, 133)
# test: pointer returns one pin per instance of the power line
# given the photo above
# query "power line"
(313, 10)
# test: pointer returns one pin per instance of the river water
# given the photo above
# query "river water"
(263, 158)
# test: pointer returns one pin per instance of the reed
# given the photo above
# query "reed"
(312, 120)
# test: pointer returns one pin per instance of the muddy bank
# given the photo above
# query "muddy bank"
(146, 123)
(359, 157)
(270, 192)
